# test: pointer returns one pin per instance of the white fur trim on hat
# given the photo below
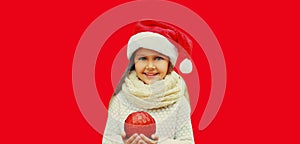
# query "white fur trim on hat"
(152, 41)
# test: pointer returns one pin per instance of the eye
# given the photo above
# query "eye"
(159, 58)
(142, 58)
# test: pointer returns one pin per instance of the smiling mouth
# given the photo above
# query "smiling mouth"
(151, 75)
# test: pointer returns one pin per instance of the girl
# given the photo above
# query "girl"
(149, 84)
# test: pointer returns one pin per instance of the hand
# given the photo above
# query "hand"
(134, 139)
(147, 140)
(140, 139)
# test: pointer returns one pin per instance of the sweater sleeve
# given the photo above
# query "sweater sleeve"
(112, 130)
(184, 131)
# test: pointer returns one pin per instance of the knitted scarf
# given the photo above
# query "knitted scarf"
(161, 93)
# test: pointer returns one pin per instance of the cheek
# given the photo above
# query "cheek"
(138, 67)
(163, 69)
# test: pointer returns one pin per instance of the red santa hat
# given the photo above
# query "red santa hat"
(163, 38)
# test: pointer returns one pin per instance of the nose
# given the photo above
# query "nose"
(150, 65)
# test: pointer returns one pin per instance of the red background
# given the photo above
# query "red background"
(259, 40)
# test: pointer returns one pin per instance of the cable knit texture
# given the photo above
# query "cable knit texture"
(158, 94)
(165, 102)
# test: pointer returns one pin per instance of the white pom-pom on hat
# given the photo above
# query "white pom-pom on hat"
(186, 66)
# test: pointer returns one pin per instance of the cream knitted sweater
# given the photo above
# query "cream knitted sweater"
(173, 124)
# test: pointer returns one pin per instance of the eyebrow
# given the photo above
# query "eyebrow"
(144, 55)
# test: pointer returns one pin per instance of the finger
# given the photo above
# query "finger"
(147, 140)
(136, 140)
(154, 137)
(123, 136)
(141, 142)
(131, 139)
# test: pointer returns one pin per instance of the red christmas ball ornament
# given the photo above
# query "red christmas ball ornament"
(141, 123)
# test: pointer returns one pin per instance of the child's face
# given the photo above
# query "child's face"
(150, 65)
